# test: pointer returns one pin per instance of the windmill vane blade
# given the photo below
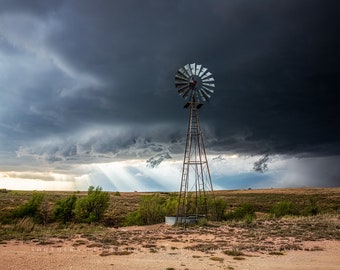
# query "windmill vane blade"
(187, 68)
(211, 79)
(205, 93)
(179, 85)
(183, 88)
(183, 72)
(209, 84)
(180, 81)
(180, 77)
(206, 75)
(198, 68)
(202, 96)
(189, 91)
(207, 89)
(193, 68)
(182, 91)
(203, 70)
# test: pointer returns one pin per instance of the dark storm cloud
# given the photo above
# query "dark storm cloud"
(103, 63)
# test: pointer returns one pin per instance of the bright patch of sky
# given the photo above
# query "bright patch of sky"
(228, 172)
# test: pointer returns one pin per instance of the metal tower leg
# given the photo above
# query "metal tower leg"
(196, 182)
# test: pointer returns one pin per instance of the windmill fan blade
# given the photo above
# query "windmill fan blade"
(208, 89)
(177, 82)
(187, 68)
(201, 94)
(211, 79)
(182, 90)
(180, 76)
(206, 95)
(203, 70)
(206, 75)
(209, 84)
(180, 84)
(193, 68)
(198, 68)
(183, 72)
(189, 91)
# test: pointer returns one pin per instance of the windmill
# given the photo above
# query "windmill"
(195, 84)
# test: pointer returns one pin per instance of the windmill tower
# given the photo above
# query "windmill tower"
(195, 84)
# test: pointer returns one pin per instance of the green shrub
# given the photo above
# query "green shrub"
(205, 205)
(221, 206)
(31, 208)
(64, 209)
(92, 207)
(171, 204)
(249, 218)
(284, 208)
(202, 222)
(244, 212)
(152, 209)
(43, 211)
(133, 218)
(311, 209)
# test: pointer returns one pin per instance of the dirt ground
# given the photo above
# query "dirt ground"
(165, 247)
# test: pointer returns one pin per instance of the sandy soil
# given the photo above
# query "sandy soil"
(28, 256)
(163, 247)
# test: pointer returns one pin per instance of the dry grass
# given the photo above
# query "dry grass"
(117, 253)
(217, 259)
(233, 252)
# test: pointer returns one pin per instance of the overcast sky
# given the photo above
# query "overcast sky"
(88, 96)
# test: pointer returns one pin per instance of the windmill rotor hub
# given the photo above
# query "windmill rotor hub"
(192, 82)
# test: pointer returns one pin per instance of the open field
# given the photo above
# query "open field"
(327, 199)
(301, 242)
